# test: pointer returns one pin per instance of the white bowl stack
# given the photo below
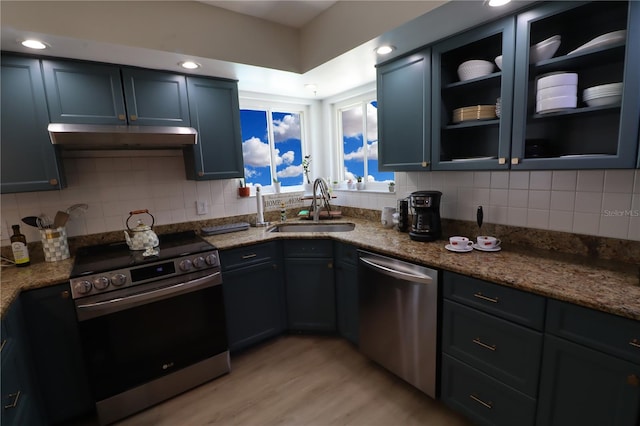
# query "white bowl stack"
(556, 92)
(605, 94)
(474, 68)
(545, 49)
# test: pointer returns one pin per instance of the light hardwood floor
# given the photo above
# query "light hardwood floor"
(301, 380)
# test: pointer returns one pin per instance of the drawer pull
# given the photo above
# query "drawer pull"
(635, 343)
(488, 405)
(483, 297)
(479, 342)
(14, 404)
(249, 256)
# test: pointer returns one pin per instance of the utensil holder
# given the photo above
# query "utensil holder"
(55, 244)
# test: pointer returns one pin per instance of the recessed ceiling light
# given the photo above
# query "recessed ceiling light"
(385, 50)
(34, 44)
(190, 65)
(496, 3)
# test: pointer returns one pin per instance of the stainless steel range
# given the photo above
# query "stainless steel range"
(151, 327)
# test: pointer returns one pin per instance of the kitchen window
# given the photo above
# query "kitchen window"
(273, 144)
(358, 133)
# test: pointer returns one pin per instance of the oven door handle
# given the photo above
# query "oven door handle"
(92, 310)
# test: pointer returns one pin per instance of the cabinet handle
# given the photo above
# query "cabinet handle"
(425, 164)
(635, 343)
(249, 256)
(502, 160)
(515, 160)
(201, 173)
(133, 117)
(488, 405)
(330, 265)
(121, 117)
(479, 295)
(14, 404)
(4, 342)
(53, 182)
(479, 342)
(64, 294)
(633, 380)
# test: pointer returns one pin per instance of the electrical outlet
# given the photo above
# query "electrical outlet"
(201, 207)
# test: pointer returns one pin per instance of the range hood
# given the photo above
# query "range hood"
(98, 136)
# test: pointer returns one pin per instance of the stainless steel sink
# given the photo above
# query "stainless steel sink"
(314, 227)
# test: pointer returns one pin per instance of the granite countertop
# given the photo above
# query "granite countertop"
(607, 286)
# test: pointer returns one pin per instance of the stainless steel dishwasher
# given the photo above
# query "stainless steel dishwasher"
(398, 304)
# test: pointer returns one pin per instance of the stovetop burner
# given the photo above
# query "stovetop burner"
(107, 257)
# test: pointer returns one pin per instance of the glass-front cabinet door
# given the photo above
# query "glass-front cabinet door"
(577, 96)
(472, 88)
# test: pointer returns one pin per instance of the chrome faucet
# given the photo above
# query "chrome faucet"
(324, 194)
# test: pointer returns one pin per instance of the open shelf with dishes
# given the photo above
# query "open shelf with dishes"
(468, 128)
(568, 105)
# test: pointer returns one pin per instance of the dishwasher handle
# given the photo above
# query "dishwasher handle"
(388, 269)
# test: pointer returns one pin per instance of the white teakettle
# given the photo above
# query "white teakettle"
(142, 236)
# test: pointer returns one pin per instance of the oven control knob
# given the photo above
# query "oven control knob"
(101, 283)
(198, 262)
(212, 260)
(185, 265)
(82, 287)
(118, 280)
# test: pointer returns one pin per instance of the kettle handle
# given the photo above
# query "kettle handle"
(153, 219)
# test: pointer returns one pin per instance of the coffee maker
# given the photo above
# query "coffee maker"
(425, 206)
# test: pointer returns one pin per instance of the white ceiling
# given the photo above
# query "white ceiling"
(294, 14)
(353, 68)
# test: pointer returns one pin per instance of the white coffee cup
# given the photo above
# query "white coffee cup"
(486, 241)
(460, 242)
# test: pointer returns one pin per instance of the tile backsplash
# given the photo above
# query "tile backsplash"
(593, 202)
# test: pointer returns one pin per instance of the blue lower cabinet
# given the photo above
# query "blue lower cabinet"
(483, 399)
(254, 304)
(347, 301)
(582, 386)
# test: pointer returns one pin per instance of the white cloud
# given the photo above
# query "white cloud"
(287, 128)
(358, 154)
(290, 171)
(288, 157)
(352, 122)
(256, 153)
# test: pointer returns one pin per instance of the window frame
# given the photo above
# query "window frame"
(361, 100)
(270, 107)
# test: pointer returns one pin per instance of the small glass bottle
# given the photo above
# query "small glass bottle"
(283, 212)
(19, 247)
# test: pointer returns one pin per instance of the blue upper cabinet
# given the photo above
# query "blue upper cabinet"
(88, 93)
(215, 113)
(404, 113)
(155, 98)
(84, 93)
(599, 42)
(28, 157)
(471, 102)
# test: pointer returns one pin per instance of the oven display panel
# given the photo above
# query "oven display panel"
(153, 271)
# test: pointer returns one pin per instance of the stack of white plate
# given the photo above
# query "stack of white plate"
(605, 94)
(556, 92)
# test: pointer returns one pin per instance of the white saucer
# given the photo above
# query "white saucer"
(477, 247)
(464, 250)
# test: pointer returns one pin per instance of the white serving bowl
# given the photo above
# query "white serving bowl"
(557, 103)
(557, 79)
(544, 50)
(605, 100)
(556, 91)
(474, 68)
(498, 62)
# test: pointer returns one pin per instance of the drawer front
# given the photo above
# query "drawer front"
(245, 256)
(483, 399)
(346, 254)
(599, 330)
(308, 248)
(505, 351)
(508, 303)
